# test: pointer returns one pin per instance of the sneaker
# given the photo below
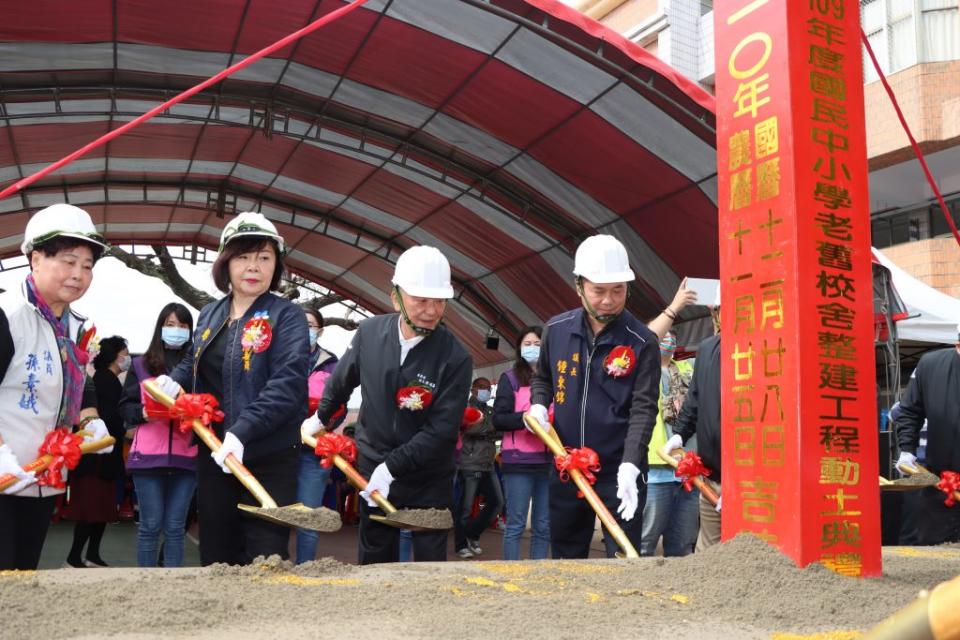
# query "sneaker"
(69, 565)
(474, 546)
(465, 553)
(95, 564)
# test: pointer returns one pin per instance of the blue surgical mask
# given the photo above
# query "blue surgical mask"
(314, 336)
(530, 353)
(174, 337)
(483, 395)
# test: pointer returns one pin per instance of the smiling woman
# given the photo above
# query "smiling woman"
(251, 351)
(42, 380)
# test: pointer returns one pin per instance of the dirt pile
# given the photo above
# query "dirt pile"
(742, 590)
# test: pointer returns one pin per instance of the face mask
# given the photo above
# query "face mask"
(483, 395)
(123, 362)
(174, 337)
(314, 336)
(530, 353)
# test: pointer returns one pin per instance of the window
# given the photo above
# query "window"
(900, 38)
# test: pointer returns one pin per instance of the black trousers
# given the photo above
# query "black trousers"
(23, 528)
(572, 519)
(381, 543)
(935, 522)
(473, 484)
(226, 533)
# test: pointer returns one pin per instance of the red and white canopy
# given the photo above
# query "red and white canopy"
(502, 132)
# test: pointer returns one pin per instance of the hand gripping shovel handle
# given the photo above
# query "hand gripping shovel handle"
(698, 482)
(552, 440)
(40, 464)
(213, 442)
(353, 476)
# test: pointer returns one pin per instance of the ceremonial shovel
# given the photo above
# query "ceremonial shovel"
(705, 489)
(917, 478)
(41, 463)
(295, 515)
(405, 519)
(552, 440)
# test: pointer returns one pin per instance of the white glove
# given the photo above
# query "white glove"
(627, 476)
(9, 464)
(539, 413)
(311, 426)
(169, 386)
(675, 442)
(380, 481)
(231, 444)
(97, 430)
(907, 463)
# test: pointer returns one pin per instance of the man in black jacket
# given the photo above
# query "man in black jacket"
(414, 378)
(933, 394)
(700, 414)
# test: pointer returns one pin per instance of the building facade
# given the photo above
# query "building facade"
(917, 44)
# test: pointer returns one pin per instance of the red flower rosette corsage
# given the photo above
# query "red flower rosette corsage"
(196, 406)
(584, 460)
(620, 362)
(257, 336)
(332, 444)
(950, 485)
(414, 398)
(65, 449)
(471, 416)
(690, 466)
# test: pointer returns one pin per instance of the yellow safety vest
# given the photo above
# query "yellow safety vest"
(659, 436)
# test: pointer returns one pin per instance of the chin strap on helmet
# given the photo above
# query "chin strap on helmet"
(603, 319)
(420, 331)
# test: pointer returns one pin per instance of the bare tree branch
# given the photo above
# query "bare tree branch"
(166, 271)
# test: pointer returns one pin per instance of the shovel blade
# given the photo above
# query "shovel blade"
(298, 516)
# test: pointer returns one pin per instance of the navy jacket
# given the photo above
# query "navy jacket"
(417, 446)
(700, 413)
(613, 416)
(265, 405)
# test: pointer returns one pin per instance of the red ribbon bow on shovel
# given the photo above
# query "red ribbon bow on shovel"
(949, 484)
(689, 467)
(584, 460)
(195, 406)
(333, 444)
(65, 449)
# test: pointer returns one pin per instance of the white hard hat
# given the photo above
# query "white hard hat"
(251, 223)
(423, 272)
(603, 259)
(60, 220)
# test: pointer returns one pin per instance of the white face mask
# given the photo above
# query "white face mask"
(314, 335)
(483, 395)
(123, 362)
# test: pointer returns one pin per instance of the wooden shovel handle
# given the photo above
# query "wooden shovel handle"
(353, 476)
(552, 440)
(705, 489)
(209, 438)
(7, 480)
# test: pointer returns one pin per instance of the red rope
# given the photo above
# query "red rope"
(913, 142)
(279, 44)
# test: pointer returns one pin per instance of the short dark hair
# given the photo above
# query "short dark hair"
(110, 348)
(316, 315)
(154, 356)
(479, 381)
(234, 248)
(55, 245)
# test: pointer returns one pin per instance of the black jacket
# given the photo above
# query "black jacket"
(108, 466)
(700, 413)
(933, 394)
(418, 446)
(479, 441)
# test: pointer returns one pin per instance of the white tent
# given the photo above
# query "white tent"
(933, 316)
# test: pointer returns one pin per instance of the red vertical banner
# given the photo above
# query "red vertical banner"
(799, 418)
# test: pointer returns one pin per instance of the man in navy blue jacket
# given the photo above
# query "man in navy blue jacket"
(600, 367)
